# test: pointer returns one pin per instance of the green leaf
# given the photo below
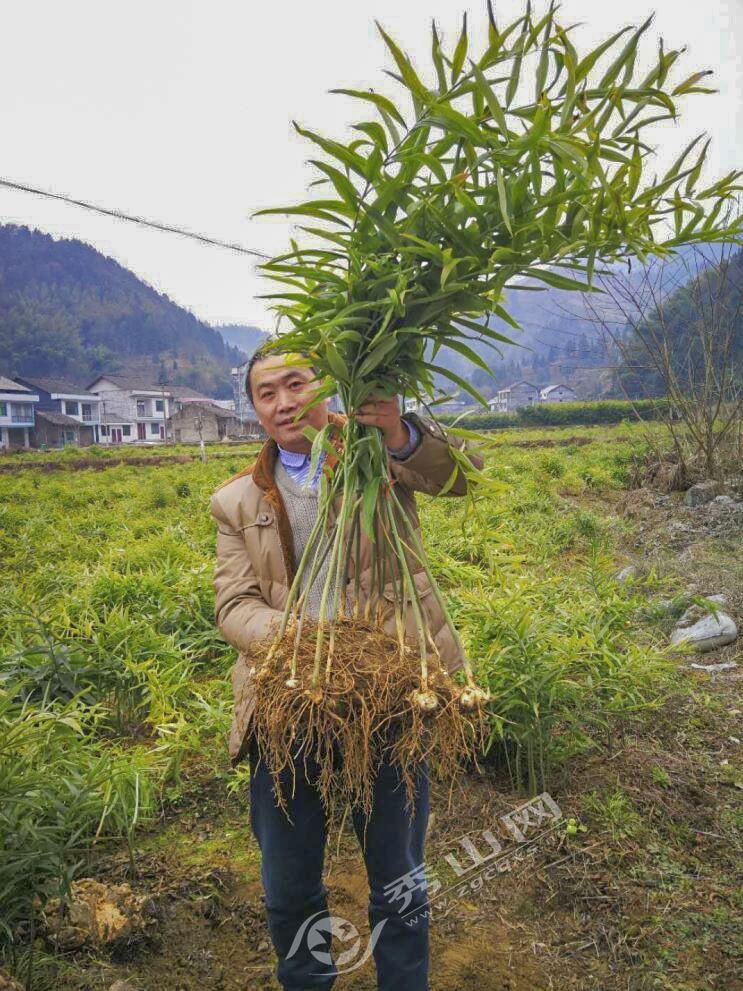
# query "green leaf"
(467, 352)
(321, 209)
(460, 52)
(586, 64)
(380, 102)
(407, 72)
(687, 84)
(336, 364)
(336, 150)
(503, 199)
(559, 281)
(496, 111)
(438, 59)
(376, 132)
(462, 383)
(340, 180)
(369, 506)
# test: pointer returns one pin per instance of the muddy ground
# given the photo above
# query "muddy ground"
(642, 892)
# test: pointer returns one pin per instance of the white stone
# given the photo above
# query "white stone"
(708, 633)
(714, 668)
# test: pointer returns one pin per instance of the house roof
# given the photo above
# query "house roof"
(8, 385)
(523, 382)
(206, 405)
(551, 388)
(58, 419)
(62, 385)
(133, 383)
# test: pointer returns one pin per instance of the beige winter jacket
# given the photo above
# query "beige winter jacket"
(255, 559)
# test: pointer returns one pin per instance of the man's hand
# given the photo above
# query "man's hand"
(385, 414)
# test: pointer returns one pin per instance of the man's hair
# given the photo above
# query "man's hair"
(259, 354)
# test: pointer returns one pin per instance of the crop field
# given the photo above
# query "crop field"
(115, 703)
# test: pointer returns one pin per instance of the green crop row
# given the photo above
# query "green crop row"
(565, 414)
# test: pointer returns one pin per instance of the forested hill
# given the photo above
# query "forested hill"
(68, 310)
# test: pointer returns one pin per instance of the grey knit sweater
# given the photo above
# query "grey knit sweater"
(301, 509)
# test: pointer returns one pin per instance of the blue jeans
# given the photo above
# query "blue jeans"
(292, 859)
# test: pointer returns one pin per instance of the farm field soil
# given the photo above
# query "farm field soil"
(640, 894)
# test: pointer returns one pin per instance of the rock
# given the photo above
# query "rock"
(122, 986)
(703, 630)
(714, 668)
(8, 983)
(701, 493)
(626, 573)
(99, 915)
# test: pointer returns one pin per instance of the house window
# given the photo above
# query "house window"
(3, 409)
(87, 411)
(69, 436)
(104, 430)
(71, 408)
(21, 413)
(126, 430)
(155, 428)
(159, 405)
(140, 407)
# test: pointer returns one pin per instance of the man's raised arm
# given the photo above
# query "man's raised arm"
(431, 464)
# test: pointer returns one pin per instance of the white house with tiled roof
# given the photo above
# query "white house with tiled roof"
(17, 403)
(558, 394)
(135, 410)
(515, 396)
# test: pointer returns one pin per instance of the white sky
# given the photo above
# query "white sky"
(180, 111)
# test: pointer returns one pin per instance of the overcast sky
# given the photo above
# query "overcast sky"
(180, 111)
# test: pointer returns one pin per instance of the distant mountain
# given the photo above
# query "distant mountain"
(246, 338)
(561, 336)
(68, 310)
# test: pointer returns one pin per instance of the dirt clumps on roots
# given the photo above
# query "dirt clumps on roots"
(366, 708)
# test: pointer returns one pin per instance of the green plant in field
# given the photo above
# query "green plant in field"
(526, 160)
(159, 497)
(615, 813)
(553, 466)
(660, 777)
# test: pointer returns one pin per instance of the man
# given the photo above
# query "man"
(264, 516)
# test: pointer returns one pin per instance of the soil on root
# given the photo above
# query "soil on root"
(370, 705)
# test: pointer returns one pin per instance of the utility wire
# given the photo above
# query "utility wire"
(133, 219)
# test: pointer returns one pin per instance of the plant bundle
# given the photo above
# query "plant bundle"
(521, 166)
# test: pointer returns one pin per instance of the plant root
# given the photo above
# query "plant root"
(370, 706)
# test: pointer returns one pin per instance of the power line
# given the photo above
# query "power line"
(143, 221)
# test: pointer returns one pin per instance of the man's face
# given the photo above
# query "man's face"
(280, 390)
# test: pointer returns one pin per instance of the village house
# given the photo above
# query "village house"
(515, 396)
(135, 410)
(557, 394)
(65, 414)
(17, 403)
(194, 421)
